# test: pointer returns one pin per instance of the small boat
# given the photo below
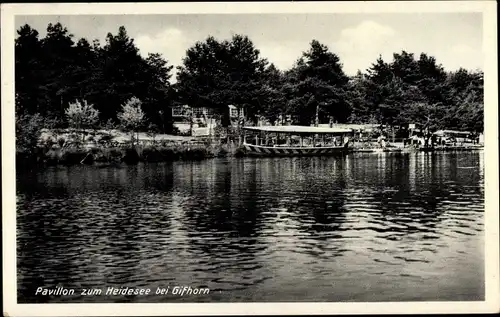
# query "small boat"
(295, 141)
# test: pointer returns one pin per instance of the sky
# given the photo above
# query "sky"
(454, 39)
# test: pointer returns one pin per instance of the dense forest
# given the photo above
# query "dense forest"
(54, 71)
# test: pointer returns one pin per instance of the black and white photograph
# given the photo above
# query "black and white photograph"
(284, 156)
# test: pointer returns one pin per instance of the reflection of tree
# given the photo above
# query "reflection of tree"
(321, 210)
(51, 183)
(123, 247)
(83, 226)
(45, 255)
(245, 210)
(159, 176)
(329, 217)
(230, 212)
(46, 214)
(223, 213)
(394, 195)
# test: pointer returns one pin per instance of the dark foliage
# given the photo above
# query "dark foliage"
(53, 71)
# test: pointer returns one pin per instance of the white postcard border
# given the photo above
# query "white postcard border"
(492, 284)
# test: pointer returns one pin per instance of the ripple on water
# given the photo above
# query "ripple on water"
(360, 228)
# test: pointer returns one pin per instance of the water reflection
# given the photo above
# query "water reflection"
(365, 227)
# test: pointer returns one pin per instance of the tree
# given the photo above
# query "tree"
(469, 113)
(272, 99)
(82, 116)
(216, 74)
(405, 67)
(86, 73)
(379, 77)
(131, 117)
(464, 97)
(392, 102)
(58, 57)
(317, 84)
(160, 94)
(29, 72)
(51, 71)
(407, 91)
(380, 73)
(432, 79)
(246, 75)
(28, 131)
(358, 95)
(54, 70)
(121, 69)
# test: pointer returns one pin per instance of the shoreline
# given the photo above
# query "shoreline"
(103, 156)
(109, 156)
(413, 150)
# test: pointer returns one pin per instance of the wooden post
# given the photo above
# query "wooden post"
(301, 140)
(191, 122)
(209, 129)
(316, 121)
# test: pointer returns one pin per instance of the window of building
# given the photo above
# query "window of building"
(177, 111)
(198, 112)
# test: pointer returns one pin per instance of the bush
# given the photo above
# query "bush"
(109, 125)
(28, 131)
(82, 116)
(131, 117)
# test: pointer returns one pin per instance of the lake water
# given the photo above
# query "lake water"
(364, 227)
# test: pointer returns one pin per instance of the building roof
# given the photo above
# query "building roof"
(354, 126)
(442, 132)
(298, 129)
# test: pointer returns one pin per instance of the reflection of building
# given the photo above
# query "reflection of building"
(412, 172)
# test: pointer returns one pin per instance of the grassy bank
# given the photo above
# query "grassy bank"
(105, 147)
(102, 155)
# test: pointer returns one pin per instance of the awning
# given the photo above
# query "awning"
(451, 132)
(296, 129)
